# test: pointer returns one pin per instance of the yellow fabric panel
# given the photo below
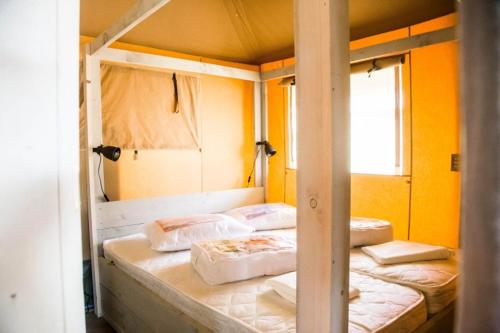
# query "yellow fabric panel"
(435, 97)
(268, 66)
(277, 98)
(384, 197)
(378, 39)
(432, 131)
(226, 163)
(291, 187)
(153, 173)
(443, 22)
(406, 121)
(168, 172)
(138, 109)
(226, 107)
(227, 132)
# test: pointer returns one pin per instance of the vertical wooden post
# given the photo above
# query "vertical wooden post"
(479, 297)
(323, 177)
(258, 134)
(92, 91)
(265, 135)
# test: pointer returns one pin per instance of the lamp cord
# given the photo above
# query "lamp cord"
(100, 180)
(253, 166)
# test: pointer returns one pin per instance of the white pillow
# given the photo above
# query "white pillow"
(178, 233)
(266, 216)
(397, 252)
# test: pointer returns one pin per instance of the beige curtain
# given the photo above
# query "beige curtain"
(360, 67)
(376, 64)
(138, 109)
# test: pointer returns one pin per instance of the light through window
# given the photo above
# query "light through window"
(376, 123)
(292, 128)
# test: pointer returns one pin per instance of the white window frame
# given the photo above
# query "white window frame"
(291, 127)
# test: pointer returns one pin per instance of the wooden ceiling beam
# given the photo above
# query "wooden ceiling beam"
(135, 15)
(379, 50)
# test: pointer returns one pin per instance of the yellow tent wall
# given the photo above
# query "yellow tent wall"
(423, 203)
(227, 139)
(225, 160)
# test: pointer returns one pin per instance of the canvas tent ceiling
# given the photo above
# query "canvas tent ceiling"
(246, 31)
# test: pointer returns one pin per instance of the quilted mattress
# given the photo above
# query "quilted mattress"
(365, 231)
(243, 258)
(251, 305)
(436, 279)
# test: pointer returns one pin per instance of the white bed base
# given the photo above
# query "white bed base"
(129, 306)
(122, 218)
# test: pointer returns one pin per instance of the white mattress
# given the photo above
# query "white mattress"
(365, 231)
(437, 279)
(252, 306)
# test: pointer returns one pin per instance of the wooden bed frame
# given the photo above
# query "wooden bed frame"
(129, 306)
(125, 303)
(123, 218)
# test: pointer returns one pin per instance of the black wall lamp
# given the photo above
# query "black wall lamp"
(111, 153)
(268, 149)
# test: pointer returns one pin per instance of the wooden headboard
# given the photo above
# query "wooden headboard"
(122, 218)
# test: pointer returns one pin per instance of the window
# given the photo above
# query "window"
(292, 128)
(375, 123)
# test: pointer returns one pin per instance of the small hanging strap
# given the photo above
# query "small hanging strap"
(176, 94)
(374, 68)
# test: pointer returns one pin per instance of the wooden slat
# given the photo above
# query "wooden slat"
(379, 50)
(165, 312)
(258, 135)
(323, 178)
(441, 322)
(134, 308)
(92, 91)
(480, 199)
(116, 214)
(135, 15)
(278, 73)
(265, 135)
(157, 62)
(403, 45)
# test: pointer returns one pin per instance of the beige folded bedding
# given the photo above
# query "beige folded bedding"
(286, 286)
(396, 252)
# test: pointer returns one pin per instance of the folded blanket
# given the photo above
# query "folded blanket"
(243, 258)
(396, 252)
(286, 286)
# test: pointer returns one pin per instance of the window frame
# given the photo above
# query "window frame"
(291, 124)
(402, 130)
